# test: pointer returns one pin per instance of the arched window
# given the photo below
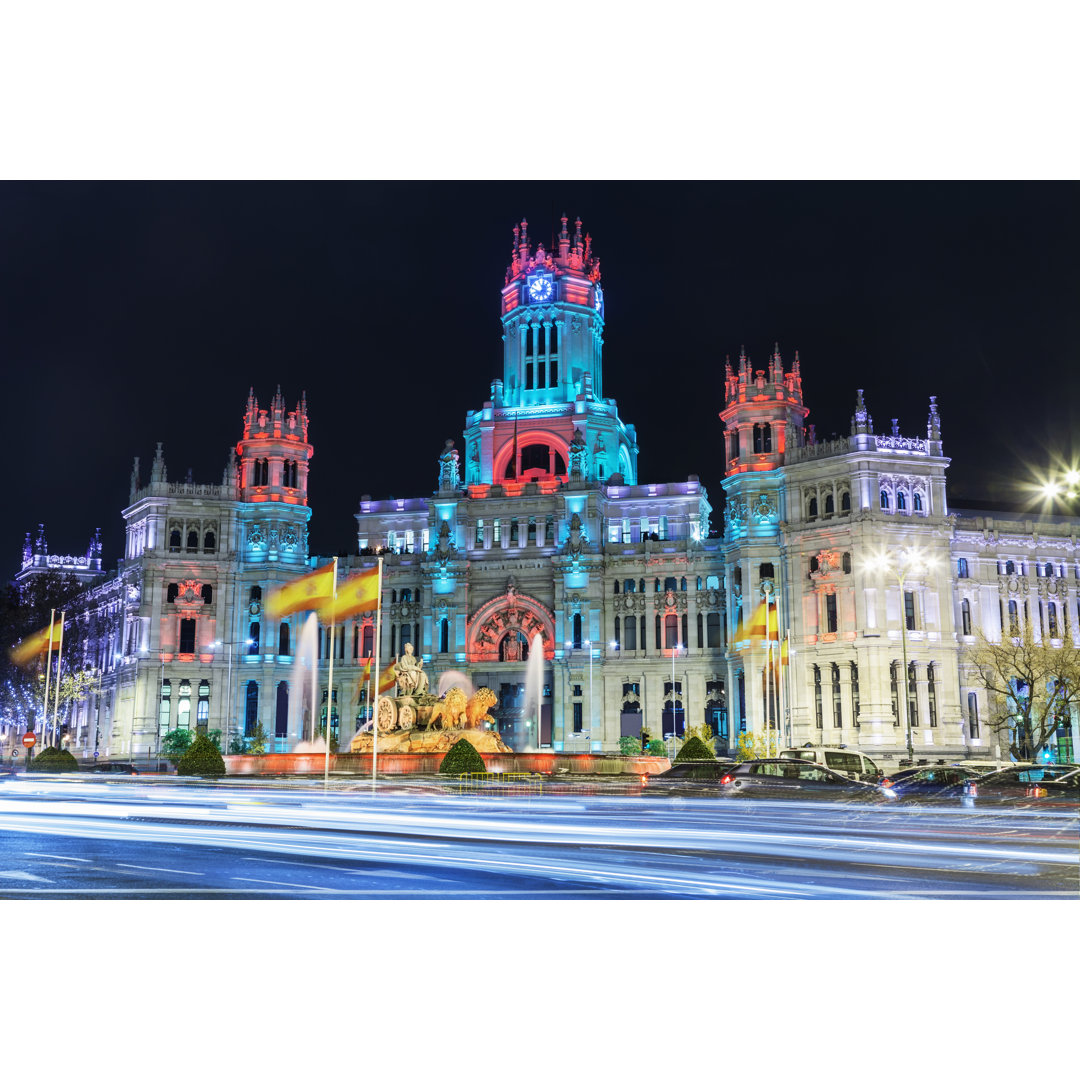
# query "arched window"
(845, 502)
(917, 503)
(656, 585)
(208, 594)
(641, 586)
(830, 505)
(884, 500)
(811, 509)
(965, 617)
(251, 707)
(174, 540)
(253, 639)
(284, 640)
(712, 581)
(1049, 570)
(766, 438)
(192, 540)
(758, 442)
(901, 501)
(209, 542)
(682, 584)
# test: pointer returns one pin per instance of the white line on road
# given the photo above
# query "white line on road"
(43, 855)
(161, 869)
(285, 884)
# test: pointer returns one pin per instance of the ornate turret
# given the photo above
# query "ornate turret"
(862, 423)
(274, 452)
(763, 412)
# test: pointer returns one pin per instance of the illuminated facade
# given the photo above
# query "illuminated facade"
(540, 534)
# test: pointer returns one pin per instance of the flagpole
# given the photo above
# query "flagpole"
(48, 672)
(56, 706)
(330, 680)
(378, 654)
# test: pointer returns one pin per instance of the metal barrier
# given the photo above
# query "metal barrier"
(527, 784)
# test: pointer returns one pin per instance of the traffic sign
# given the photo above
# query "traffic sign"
(95, 755)
(29, 739)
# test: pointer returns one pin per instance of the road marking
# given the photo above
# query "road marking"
(161, 869)
(286, 884)
(42, 855)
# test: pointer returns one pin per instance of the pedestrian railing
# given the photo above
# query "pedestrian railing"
(520, 784)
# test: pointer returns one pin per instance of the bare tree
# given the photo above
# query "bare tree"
(1032, 686)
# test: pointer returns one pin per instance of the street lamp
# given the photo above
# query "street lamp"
(675, 649)
(588, 645)
(908, 561)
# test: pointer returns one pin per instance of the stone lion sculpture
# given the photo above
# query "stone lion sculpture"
(448, 712)
(476, 709)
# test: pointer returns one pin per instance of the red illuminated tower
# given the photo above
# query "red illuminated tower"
(274, 453)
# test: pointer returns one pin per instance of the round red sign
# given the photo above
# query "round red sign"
(29, 739)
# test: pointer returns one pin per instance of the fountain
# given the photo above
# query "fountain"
(304, 691)
(534, 682)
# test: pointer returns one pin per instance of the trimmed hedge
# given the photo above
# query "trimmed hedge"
(694, 750)
(203, 758)
(629, 746)
(462, 757)
(656, 748)
(53, 759)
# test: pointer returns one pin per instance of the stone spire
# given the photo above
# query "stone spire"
(158, 473)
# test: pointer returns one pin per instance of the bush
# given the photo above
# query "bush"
(462, 757)
(176, 744)
(256, 741)
(53, 759)
(694, 750)
(203, 758)
(656, 748)
(629, 746)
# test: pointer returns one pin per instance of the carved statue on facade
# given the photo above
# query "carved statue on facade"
(449, 476)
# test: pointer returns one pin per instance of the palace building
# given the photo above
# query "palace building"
(832, 607)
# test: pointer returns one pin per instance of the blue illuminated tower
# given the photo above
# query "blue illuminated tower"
(551, 390)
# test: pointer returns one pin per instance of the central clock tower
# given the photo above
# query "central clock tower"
(547, 418)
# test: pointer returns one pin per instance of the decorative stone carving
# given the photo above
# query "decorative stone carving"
(449, 475)
(411, 677)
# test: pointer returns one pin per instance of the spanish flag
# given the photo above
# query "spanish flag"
(756, 627)
(305, 593)
(33, 646)
(387, 678)
(355, 594)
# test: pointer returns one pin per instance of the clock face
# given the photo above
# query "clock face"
(598, 300)
(539, 289)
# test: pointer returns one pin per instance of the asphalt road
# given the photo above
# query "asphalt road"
(148, 838)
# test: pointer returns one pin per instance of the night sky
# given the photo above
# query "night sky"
(132, 313)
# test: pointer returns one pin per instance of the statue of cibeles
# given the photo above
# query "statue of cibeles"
(411, 676)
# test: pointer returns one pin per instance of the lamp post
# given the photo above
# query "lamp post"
(674, 651)
(588, 645)
(228, 682)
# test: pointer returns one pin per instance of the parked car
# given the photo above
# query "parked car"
(123, 767)
(779, 778)
(926, 779)
(1021, 785)
(852, 763)
(983, 768)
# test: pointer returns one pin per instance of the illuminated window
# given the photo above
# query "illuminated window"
(202, 713)
(962, 568)
(549, 530)
(183, 706)
(479, 532)
(496, 531)
(884, 500)
(253, 635)
(917, 503)
(163, 709)
(901, 501)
